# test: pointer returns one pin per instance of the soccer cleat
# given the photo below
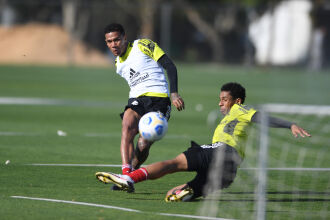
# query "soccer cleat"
(123, 182)
(115, 188)
(181, 195)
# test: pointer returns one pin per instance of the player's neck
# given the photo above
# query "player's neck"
(125, 50)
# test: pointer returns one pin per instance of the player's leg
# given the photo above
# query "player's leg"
(219, 173)
(229, 167)
(153, 171)
(198, 159)
(159, 169)
(129, 130)
(141, 152)
(150, 104)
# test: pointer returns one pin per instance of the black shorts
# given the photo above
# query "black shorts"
(201, 159)
(145, 104)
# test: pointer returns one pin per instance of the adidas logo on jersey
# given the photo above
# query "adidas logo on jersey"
(133, 73)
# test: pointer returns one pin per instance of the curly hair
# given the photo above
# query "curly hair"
(236, 90)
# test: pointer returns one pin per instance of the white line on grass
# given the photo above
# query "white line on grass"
(19, 133)
(88, 135)
(74, 165)
(56, 102)
(117, 165)
(10, 133)
(291, 168)
(117, 134)
(77, 203)
(115, 207)
(28, 101)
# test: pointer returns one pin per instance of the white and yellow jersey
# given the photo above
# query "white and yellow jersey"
(233, 127)
(139, 67)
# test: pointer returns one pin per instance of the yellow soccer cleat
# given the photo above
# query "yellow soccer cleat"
(181, 195)
(123, 182)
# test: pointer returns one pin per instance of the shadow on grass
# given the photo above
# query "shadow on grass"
(303, 196)
(148, 193)
(274, 200)
(285, 193)
(221, 199)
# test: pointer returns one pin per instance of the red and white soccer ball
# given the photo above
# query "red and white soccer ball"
(153, 126)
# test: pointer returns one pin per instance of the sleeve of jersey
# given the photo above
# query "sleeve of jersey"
(171, 70)
(249, 113)
(151, 49)
(273, 121)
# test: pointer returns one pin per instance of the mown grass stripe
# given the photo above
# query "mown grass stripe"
(114, 207)
(245, 168)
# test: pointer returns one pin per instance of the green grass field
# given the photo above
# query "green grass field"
(86, 102)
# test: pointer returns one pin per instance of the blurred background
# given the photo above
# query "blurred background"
(244, 32)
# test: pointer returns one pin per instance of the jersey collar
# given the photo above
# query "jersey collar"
(127, 52)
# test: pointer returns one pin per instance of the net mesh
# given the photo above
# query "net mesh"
(281, 177)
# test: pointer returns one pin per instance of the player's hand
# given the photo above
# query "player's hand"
(177, 101)
(296, 130)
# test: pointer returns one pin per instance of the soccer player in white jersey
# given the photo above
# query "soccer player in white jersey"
(227, 143)
(141, 63)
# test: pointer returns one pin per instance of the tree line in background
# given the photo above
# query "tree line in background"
(195, 30)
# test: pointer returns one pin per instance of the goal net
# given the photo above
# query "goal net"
(281, 177)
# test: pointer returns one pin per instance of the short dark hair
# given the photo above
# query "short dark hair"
(114, 27)
(236, 90)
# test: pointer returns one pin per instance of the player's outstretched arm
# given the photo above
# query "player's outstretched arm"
(298, 131)
(281, 123)
(177, 101)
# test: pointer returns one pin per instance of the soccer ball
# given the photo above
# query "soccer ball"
(153, 126)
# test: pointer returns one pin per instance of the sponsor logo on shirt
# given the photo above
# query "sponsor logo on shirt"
(133, 74)
(136, 77)
(214, 145)
(138, 80)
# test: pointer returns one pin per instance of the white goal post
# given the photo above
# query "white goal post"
(280, 174)
(265, 110)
